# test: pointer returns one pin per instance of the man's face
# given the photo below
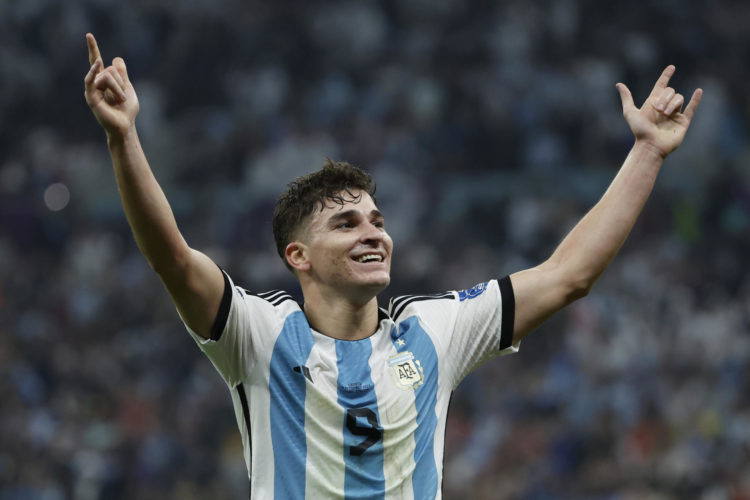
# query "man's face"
(348, 249)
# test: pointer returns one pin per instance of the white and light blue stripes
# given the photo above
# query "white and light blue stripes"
(344, 442)
(287, 407)
(361, 430)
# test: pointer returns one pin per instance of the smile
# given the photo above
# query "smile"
(370, 257)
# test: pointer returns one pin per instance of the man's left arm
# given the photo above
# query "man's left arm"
(659, 127)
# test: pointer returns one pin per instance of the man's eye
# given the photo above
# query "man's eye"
(343, 225)
(379, 223)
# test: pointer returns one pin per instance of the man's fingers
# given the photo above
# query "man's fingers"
(119, 65)
(663, 80)
(106, 81)
(693, 104)
(660, 101)
(95, 67)
(626, 97)
(674, 104)
(116, 75)
(93, 48)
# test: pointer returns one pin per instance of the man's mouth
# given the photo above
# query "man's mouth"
(369, 257)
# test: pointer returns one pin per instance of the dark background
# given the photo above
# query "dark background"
(491, 127)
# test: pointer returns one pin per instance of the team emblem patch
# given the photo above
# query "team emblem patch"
(472, 292)
(406, 371)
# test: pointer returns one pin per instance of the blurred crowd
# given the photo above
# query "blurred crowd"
(490, 127)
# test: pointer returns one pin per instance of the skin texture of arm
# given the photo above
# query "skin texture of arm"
(659, 127)
(192, 279)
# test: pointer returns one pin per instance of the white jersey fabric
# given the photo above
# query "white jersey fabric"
(323, 418)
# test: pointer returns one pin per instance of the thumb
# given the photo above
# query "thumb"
(626, 97)
(119, 65)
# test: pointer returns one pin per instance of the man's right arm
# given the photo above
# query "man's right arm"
(193, 280)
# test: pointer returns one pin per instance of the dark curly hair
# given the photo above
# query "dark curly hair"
(335, 182)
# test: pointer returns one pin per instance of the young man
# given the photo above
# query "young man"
(337, 398)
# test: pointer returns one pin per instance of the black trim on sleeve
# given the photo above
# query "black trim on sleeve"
(509, 312)
(221, 317)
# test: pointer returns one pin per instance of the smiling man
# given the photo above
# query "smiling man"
(338, 398)
(332, 236)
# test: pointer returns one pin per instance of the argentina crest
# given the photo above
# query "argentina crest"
(406, 371)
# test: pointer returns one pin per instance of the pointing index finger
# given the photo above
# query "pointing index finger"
(663, 80)
(93, 48)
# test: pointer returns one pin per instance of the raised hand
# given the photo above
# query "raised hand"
(660, 122)
(109, 93)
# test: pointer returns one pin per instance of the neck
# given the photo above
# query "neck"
(340, 318)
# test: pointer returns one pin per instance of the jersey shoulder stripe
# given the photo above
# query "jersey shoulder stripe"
(274, 297)
(398, 304)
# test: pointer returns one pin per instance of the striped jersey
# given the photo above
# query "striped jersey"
(365, 419)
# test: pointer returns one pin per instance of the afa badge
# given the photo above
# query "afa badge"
(406, 371)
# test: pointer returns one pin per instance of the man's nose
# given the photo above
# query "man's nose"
(371, 232)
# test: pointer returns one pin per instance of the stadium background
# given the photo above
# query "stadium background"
(490, 127)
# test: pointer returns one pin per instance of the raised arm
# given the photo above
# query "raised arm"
(659, 127)
(195, 283)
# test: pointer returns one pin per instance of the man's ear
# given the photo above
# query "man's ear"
(296, 256)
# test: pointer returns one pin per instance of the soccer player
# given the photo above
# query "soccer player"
(337, 398)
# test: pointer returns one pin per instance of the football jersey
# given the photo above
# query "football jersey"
(363, 419)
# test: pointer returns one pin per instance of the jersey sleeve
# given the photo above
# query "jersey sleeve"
(238, 332)
(469, 326)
